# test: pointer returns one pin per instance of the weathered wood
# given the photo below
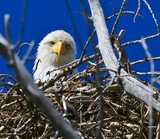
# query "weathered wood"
(130, 84)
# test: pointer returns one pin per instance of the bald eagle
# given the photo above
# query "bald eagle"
(55, 50)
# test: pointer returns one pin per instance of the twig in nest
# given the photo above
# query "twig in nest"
(66, 71)
(158, 131)
(78, 61)
(116, 42)
(45, 131)
(64, 105)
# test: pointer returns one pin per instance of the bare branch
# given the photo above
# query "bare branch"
(148, 54)
(139, 41)
(86, 45)
(7, 76)
(74, 24)
(64, 105)
(23, 44)
(67, 71)
(89, 28)
(129, 83)
(123, 12)
(153, 16)
(103, 36)
(95, 101)
(158, 131)
(28, 52)
(7, 27)
(22, 24)
(118, 17)
(147, 73)
(144, 60)
(137, 11)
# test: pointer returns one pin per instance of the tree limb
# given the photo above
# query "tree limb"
(130, 84)
(35, 95)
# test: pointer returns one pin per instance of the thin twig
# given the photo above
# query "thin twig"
(44, 132)
(157, 80)
(101, 101)
(22, 23)
(7, 76)
(153, 16)
(144, 60)
(20, 47)
(118, 17)
(85, 15)
(110, 17)
(137, 11)
(28, 52)
(123, 12)
(9, 104)
(24, 125)
(158, 130)
(74, 24)
(7, 27)
(147, 73)
(65, 71)
(75, 63)
(64, 105)
(139, 41)
(89, 28)
(86, 45)
(148, 54)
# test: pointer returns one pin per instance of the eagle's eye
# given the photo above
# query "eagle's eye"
(51, 43)
(68, 45)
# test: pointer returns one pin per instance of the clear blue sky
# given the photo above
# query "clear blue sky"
(45, 16)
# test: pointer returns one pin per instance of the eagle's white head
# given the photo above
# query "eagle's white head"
(56, 49)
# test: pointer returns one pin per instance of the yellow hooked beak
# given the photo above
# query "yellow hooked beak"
(58, 48)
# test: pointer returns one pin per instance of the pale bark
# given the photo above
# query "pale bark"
(129, 83)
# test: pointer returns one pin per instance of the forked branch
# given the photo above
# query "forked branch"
(129, 83)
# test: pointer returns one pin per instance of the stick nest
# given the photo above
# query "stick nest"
(80, 104)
